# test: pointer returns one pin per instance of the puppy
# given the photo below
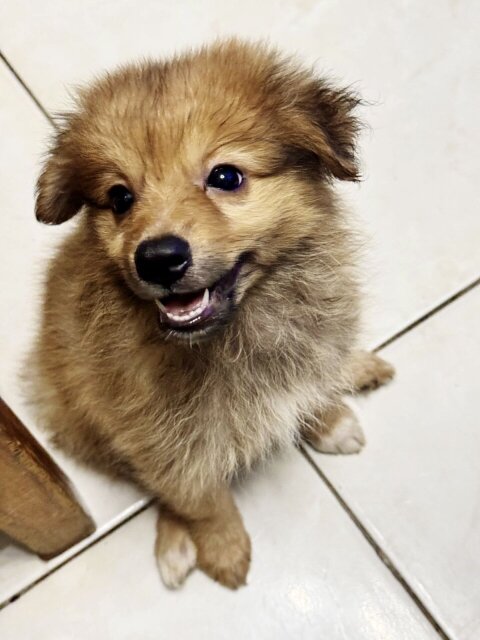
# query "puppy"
(204, 311)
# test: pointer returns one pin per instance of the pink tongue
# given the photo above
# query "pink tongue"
(182, 303)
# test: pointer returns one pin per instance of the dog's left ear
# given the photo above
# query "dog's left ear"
(57, 197)
(325, 125)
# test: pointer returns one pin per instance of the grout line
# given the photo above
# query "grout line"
(384, 557)
(428, 315)
(106, 533)
(26, 88)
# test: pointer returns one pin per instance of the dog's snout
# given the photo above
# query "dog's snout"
(163, 260)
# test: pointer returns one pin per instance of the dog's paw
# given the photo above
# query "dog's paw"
(345, 437)
(370, 372)
(175, 552)
(224, 556)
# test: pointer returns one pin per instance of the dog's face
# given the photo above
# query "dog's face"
(200, 174)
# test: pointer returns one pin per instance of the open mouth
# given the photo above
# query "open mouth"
(198, 310)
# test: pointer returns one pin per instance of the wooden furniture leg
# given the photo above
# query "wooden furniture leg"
(38, 506)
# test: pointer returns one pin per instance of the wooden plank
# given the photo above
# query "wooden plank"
(38, 506)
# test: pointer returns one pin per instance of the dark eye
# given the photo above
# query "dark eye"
(225, 177)
(121, 199)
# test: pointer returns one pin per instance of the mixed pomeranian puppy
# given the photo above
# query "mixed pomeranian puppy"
(205, 309)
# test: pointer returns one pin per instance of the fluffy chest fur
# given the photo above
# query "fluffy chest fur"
(113, 390)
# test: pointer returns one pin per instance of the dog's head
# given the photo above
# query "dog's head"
(200, 173)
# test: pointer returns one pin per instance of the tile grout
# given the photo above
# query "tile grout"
(26, 88)
(426, 316)
(382, 555)
(87, 547)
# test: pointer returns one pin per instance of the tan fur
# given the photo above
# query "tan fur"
(334, 429)
(175, 550)
(182, 419)
(369, 371)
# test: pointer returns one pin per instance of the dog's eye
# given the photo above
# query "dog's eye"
(121, 199)
(225, 177)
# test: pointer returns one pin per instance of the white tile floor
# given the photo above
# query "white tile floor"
(413, 492)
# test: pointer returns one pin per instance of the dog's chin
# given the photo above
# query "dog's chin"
(195, 315)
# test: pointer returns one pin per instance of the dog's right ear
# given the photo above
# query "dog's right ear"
(57, 194)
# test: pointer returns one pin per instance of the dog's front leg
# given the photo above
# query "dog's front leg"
(368, 371)
(207, 532)
(334, 429)
(175, 550)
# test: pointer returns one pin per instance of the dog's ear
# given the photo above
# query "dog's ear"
(57, 196)
(325, 125)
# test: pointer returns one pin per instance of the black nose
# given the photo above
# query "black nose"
(163, 260)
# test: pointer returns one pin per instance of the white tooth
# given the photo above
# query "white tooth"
(194, 313)
(206, 299)
(160, 305)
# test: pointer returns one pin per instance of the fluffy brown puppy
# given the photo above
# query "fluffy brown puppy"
(204, 311)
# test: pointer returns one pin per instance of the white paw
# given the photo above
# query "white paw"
(346, 437)
(177, 561)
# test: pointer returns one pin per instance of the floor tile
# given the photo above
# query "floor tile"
(416, 484)
(313, 576)
(416, 65)
(24, 247)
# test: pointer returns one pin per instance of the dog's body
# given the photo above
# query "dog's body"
(182, 403)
